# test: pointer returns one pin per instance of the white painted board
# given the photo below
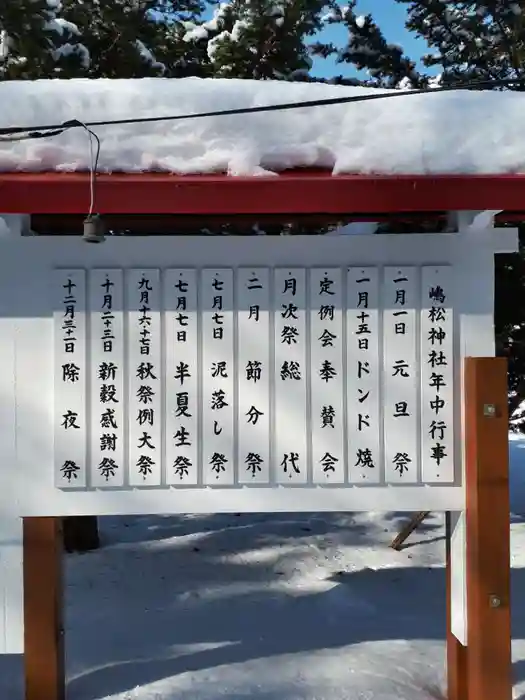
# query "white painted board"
(290, 340)
(253, 372)
(144, 377)
(106, 311)
(218, 397)
(181, 377)
(400, 375)
(291, 412)
(365, 458)
(327, 375)
(70, 371)
(437, 376)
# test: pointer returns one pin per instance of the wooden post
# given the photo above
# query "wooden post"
(43, 607)
(489, 664)
(456, 652)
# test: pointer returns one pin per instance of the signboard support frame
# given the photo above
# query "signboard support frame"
(482, 670)
(44, 654)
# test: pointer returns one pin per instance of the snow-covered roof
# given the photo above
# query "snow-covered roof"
(449, 132)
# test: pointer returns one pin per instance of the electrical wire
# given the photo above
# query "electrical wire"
(93, 165)
(94, 154)
(8, 133)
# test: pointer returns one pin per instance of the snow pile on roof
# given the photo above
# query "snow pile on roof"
(454, 132)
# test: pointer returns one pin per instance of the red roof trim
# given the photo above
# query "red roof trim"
(293, 192)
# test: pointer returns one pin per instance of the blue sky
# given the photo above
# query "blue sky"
(390, 17)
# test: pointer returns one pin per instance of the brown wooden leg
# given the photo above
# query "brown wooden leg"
(409, 528)
(43, 609)
(488, 530)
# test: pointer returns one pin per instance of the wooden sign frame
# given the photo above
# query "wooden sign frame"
(479, 671)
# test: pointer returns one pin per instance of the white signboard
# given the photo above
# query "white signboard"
(401, 304)
(253, 372)
(70, 370)
(363, 375)
(158, 375)
(106, 306)
(181, 377)
(408, 441)
(217, 372)
(327, 375)
(290, 375)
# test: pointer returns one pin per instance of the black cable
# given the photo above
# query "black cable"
(43, 131)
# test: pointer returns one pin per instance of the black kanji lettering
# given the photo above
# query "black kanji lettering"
(289, 311)
(181, 437)
(437, 294)
(437, 404)
(328, 462)
(365, 458)
(437, 430)
(327, 339)
(181, 466)
(145, 465)
(253, 371)
(182, 372)
(325, 286)
(290, 285)
(218, 400)
(69, 420)
(145, 416)
(218, 463)
(108, 393)
(327, 371)
(107, 371)
(107, 468)
(219, 369)
(253, 415)
(182, 400)
(400, 369)
(254, 312)
(290, 463)
(145, 371)
(108, 441)
(290, 370)
(401, 462)
(145, 394)
(108, 420)
(438, 453)
(436, 314)
(253, 463)
(70, 470)
(436, 335)
(289, 335)
(145, 441)
(70, 372)
(327, 416)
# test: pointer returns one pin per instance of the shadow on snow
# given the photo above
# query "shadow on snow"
(221, 589)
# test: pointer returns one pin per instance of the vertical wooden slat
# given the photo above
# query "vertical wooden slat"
(43, 609)
(456, 652)
(488, 529)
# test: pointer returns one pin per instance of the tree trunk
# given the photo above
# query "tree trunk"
(81, 533)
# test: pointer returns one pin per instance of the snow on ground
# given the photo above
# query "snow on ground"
(451, 132)
(284, 607)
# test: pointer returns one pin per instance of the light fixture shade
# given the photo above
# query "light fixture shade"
(93, 229)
